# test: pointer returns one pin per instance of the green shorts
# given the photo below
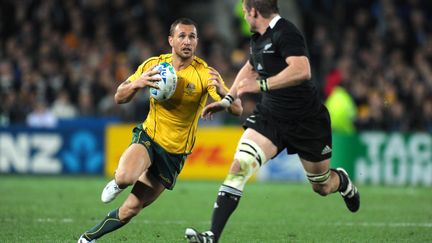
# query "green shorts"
(165, 166)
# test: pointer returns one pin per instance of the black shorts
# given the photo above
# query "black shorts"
(310, 138)
(165, 166)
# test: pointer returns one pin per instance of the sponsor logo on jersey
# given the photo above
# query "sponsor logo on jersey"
(259, 66)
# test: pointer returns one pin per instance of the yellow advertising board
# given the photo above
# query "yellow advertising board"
(210, 159)
(118, 138)
(213, 153)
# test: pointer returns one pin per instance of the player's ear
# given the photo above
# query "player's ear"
(170, 40)
(254, 13)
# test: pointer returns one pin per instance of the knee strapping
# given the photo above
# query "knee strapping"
(250, 157)
(318, 178)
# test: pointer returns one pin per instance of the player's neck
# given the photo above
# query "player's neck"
(181, 63)
(264, 23)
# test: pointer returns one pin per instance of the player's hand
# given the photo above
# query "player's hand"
(210, 109)
(148, 78)
(247, 85)
(216, 82)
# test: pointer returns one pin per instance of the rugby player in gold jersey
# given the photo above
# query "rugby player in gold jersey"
(162, 142)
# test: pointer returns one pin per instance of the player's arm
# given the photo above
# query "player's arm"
(127, 90)
(230, 101)
(291, 45)
(246, 81)
(246, 76)
(234, 107)
(297, 71)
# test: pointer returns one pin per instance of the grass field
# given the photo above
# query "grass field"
(59, 209)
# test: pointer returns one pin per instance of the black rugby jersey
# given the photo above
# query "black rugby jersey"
(267, 55)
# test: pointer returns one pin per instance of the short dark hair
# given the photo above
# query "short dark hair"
(185, 21)
(264, 7)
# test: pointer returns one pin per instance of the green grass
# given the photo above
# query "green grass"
(59, 209)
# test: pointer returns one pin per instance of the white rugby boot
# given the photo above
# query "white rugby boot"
(193, 236)
(110, 192)
(82, 239)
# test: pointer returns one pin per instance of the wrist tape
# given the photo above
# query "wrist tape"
(227, 101)
(263, 84)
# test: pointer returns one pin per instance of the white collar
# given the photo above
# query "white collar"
(274, 21)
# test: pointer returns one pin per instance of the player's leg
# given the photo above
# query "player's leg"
(325, 181)
(252, 152)
(134, 160)
(312, 141)
(145, 191)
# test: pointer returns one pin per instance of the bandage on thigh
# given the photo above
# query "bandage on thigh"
(250, 157)
(318, 178)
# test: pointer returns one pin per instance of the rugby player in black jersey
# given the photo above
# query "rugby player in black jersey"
(290, 115)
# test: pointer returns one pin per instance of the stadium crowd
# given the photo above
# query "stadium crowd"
(378, 50)
(64, 59)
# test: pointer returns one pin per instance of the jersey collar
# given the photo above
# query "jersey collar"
(274, 21)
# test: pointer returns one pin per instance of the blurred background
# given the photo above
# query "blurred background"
(61, 62)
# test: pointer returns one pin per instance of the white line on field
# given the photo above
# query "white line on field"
(382, 224)
(170, 222)
(52, 220)
(182, 222)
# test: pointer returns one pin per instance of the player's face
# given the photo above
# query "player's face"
(249, 17)
(184, 40)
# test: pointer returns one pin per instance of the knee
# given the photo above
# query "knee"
(247, 160)
(124, 179)
(320, 182)
(322, 189)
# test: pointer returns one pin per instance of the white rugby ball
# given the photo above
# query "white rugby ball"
(167, 84)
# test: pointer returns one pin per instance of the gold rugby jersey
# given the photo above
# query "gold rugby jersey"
(173, 123)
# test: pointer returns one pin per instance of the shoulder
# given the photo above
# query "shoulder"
(286, 32)
(199, 63)
(201, 68)
(154, 60)
(148, 62)
(157, 59)
(285, 26)
(165, 57)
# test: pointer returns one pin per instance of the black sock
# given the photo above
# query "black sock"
(226, 202)
(121, 186)
(110, 223)
(343, 181)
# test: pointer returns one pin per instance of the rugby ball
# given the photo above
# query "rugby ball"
(167, 84)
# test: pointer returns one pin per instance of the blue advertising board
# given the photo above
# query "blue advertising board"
(64, 150)
(283, 167)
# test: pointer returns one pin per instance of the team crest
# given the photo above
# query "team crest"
(190, 88)
(147, 144)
